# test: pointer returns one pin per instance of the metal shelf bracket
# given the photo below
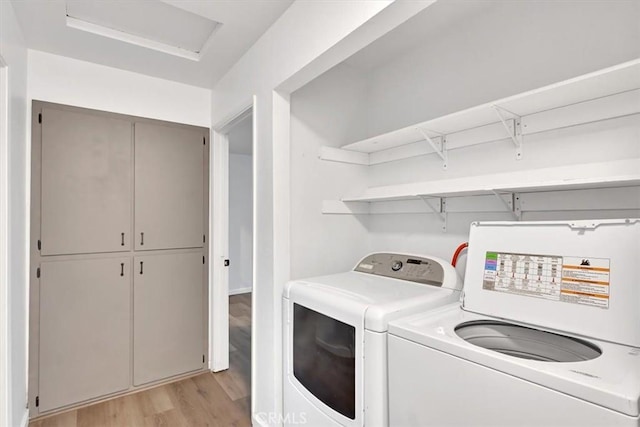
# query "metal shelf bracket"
(440, 148)
(513, 127)
(511, 206)
(439, 209)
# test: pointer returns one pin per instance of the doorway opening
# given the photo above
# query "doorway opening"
(241, 255)
(233, 248)
(241, 207)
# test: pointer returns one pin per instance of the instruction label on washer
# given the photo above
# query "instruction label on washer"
(573, 280)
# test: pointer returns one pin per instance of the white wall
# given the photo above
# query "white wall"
(240, 221)
(63, 80)
(13, 51)
(309, 38)
(327, 112)
(503, 49)
(469, 62)
(507, 48)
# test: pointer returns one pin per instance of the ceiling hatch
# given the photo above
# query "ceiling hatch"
(150, 24)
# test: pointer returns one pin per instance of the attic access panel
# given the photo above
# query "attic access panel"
(151, 24)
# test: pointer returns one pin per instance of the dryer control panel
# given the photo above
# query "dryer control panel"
(404, 267)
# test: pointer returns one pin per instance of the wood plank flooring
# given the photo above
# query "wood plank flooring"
(208, 399)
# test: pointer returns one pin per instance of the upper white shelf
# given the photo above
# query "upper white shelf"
(618, 173)
(611, 92)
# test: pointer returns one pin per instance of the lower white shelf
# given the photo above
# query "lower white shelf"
(483, 203)
(410, 198)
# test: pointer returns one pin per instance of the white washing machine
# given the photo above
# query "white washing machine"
(548, 333)
(335, 335)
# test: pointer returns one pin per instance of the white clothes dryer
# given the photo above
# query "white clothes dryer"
(548, 333)
(335, 335)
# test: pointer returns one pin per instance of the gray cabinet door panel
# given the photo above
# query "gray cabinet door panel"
(169, 187)
(168, 316)
(86, 183)
(84, 330)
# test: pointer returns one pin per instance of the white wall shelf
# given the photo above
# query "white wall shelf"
(601, 95)
(591, 175)
(481, 203)
(502, 192)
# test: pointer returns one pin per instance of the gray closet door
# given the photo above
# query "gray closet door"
(84, 330)
(169, 187)
(86, 183)
(168, 321)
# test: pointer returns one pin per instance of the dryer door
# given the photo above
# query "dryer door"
(324, 359)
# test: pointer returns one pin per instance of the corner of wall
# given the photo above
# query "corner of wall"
(14, 52)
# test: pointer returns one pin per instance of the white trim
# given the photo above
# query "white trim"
(281, 224)
(219, 285)
(257, 419)
(5, 396)
(219, 244)
(254, 250)
(25, 419)
(225, 125)
(239, 291)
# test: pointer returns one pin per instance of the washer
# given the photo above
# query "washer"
(548, 333)
(335, 335)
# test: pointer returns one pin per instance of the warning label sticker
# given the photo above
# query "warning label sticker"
(573, 280)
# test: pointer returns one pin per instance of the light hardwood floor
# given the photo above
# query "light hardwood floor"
(208, 399)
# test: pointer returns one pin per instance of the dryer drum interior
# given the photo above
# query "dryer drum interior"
(526, 343)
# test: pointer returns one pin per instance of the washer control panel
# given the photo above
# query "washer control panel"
(404, 267)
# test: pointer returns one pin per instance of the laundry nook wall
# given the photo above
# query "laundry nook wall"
(425, 69)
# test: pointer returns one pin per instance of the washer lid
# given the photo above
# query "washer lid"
(580, 277)
(611, 380)
(378, 299)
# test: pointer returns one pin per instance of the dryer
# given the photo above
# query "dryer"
(335, 335)
(548, 332)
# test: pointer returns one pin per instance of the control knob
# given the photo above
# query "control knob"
(396, 265)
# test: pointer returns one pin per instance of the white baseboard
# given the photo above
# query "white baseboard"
(257, 421)
(240, 291)
(25, 419)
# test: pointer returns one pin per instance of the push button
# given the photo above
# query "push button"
(396, 265)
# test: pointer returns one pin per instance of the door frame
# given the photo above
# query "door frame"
(219, 241)
(5, 396)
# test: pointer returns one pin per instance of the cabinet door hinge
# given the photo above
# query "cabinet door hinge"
(39, 245)
(203, 358)
(37, 401)
(39, 117)
(204, 140)
(203, 259)
(38, 272)
(204, 239)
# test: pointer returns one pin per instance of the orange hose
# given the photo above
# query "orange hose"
(456, 254)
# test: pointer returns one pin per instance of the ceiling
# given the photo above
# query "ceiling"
(425, 27)
(190, 41)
